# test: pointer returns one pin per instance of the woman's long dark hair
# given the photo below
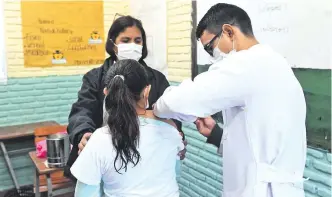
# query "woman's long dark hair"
(120, 25)
(125, 81)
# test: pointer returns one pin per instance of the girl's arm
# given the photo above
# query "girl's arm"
(84, 190)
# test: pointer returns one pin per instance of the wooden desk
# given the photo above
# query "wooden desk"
(62, 188)
(17, 131)
(10, 132)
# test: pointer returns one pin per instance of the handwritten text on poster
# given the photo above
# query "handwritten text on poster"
(63, 33)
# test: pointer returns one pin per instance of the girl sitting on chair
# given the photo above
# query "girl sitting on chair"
(135, 154)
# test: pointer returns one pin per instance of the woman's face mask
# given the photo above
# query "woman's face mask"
(129, 51)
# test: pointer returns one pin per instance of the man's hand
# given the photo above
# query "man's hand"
(83, 141)
(182, 153)
(205, 125)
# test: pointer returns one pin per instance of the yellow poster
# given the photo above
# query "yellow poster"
(63, 33)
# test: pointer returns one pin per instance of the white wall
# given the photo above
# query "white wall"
(3, 66)
(152, 13)
(300, 30)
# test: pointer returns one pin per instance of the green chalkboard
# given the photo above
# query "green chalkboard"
(316, 84)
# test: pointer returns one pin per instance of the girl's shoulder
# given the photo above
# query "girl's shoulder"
(101, 135)
(158, 122)
(168, 121)
(150, 116)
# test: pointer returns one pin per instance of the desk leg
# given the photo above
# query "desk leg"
(9, 165)
(49, 185)
(37, 183)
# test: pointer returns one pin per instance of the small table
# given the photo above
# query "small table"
(41, 169)
(17, 131)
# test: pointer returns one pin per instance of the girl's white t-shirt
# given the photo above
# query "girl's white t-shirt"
(154, 175)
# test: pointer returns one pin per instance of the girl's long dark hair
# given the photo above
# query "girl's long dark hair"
(125, 80)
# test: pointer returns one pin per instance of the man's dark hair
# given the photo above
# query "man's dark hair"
(119, 26)
(221, 14)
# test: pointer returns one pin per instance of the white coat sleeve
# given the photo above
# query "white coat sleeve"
(222, 87)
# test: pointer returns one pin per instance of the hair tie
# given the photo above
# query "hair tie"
(121, 76)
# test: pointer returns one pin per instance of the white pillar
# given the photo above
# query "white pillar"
(153, 15)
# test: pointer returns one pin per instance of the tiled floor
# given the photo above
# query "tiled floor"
(68, 195)
(45, 195)
(65, 195)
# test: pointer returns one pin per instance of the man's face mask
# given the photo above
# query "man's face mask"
(129, 51)
(215, 53)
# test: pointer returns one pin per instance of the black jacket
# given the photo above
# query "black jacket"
(87, 112)
(216, 133)
(215, 136)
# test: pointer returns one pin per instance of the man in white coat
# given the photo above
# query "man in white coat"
(263, 106)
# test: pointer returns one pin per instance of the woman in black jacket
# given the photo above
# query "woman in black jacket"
(126, 40)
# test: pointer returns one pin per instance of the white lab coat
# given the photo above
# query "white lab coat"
(264, 110)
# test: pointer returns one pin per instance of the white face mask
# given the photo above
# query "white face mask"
(147, 104)
(218, 55)
(129, 51)
(105, 114)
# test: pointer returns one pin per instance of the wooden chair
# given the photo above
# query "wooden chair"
(49, 178)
